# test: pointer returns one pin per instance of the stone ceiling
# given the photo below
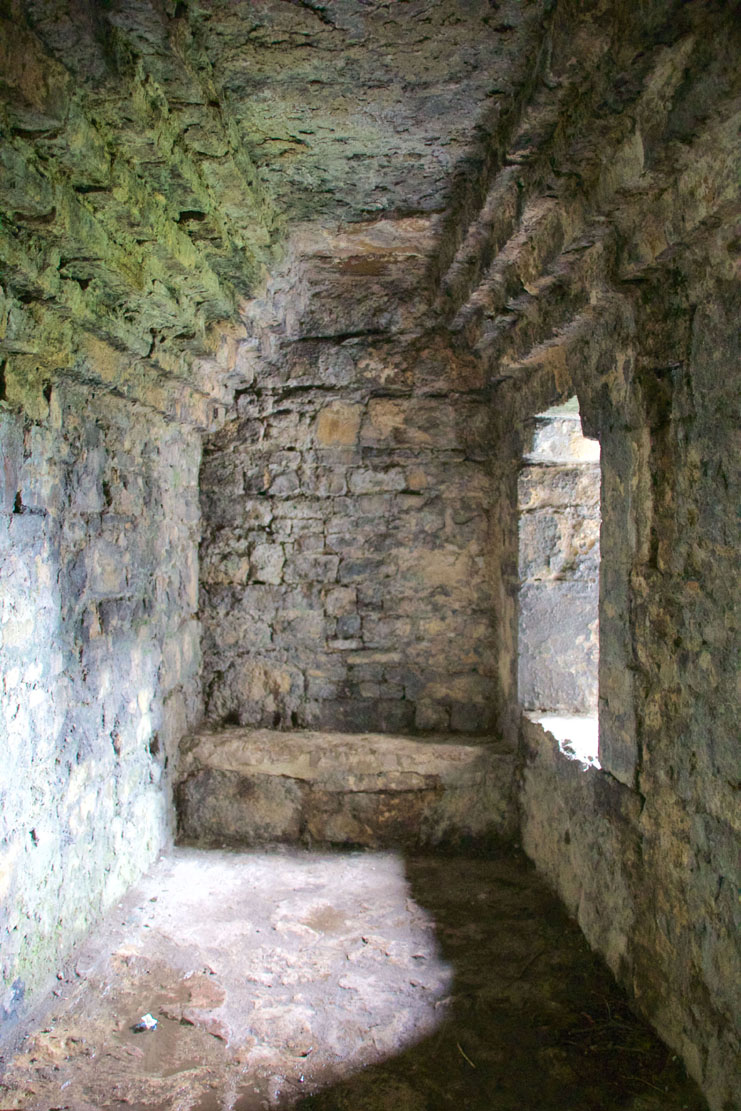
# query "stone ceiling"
(351, 109)
(155, 152)
(157, 157)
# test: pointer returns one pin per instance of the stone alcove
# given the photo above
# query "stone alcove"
(347, 511)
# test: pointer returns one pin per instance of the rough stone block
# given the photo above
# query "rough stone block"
(323, 482)
(309, 543)
(266, 563)
(348, 625)
(432, 569)
(319, 687)
(376, 480)
(340, 601)
(559, 544)
(358, 715)
(379, 631)
(283, 485)
(108, 569)
(246, 787)
(471, 717)
(285, 430)
(311, 568)
(431, 717)
(559, 486)
(226, 806)
(300, 628)
(360, 570)
(338, 424)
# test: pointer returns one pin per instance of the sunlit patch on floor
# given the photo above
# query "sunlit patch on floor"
(341, 981)
(282, 965)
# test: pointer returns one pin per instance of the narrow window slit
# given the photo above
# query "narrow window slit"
(559, 557)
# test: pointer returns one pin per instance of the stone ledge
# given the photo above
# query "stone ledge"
(242, 786)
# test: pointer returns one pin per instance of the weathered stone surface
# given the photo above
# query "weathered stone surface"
(559, 647)
(583, 831)
(376, 518)
(246, 787)
(100, 657)
(341, 109)
(620, 310)
(154, 156)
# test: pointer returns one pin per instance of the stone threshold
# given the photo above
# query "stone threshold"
(250, 786)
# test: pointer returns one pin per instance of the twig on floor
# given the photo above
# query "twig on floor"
(465, 1056)
(640, 1080)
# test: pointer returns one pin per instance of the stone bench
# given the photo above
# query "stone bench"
(243, 786)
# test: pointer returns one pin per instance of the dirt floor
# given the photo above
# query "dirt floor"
(352, 981)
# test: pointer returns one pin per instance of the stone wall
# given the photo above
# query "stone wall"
(100, 658)
(645, 853)
(346, 543)
(604, 262)
(685, 626)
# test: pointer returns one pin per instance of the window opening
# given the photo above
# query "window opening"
(559, 527)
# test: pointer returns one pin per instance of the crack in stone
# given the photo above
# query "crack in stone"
(318, 10)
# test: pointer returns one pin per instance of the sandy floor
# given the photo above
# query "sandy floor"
(357, 981)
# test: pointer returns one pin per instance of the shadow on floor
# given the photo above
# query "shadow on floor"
(535, 1020)
(331, 980)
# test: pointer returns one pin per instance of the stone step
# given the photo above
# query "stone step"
(250, 786)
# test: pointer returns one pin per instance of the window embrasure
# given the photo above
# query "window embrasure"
(559, 557)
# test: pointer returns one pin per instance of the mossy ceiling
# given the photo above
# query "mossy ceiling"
(154, 154)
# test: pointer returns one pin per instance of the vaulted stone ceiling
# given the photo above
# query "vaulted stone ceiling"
(157, 156)
(155, 153)
(352, 110)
